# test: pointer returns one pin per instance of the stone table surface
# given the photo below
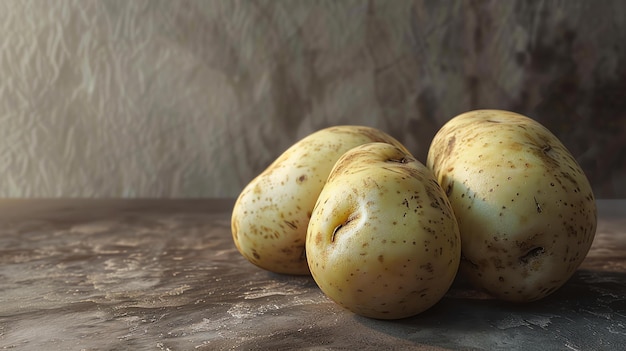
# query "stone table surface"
(165, 275)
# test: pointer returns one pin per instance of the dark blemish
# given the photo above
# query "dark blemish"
(292, 225)
(341, 225)
(570, 178)
(449, 188)
(537, 204)
(301, 179)
(533, 253)
(492, 121)
(406, 203)
(256, 255)
(428, 267)
(544, 153)
(332, 238)
(450, 146)
(402, 160)
(497, 262)
(381, 259)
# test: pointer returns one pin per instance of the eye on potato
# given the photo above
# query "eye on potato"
(383, 241)
(271, 215)
(526, 211)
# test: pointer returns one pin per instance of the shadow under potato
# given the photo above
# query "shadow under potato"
(588, 313)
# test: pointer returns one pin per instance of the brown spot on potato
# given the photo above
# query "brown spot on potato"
(516, 146)
(451, 143)
(381, 258)
(405, 202)
(399, 160)
(301, 179)
(546, 153)
(318, 238)
(532, 254)
(449, 188)
(428, 267)
(570, 178)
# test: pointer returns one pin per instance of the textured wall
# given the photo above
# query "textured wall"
(193, 98)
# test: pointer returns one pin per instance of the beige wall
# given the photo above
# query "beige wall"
(193, 98)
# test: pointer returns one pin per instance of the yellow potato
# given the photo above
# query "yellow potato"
(271, 215)
(383, 241)
(525, 209)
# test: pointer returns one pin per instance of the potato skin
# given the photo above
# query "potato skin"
(525, 209)
(383, 241)
(270, 217)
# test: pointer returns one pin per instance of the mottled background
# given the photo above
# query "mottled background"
(167, 98)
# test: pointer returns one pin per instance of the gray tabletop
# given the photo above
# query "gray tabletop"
(165, 275)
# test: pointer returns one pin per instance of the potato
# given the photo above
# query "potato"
(525, 209)
(383, 241)
(271, 215)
